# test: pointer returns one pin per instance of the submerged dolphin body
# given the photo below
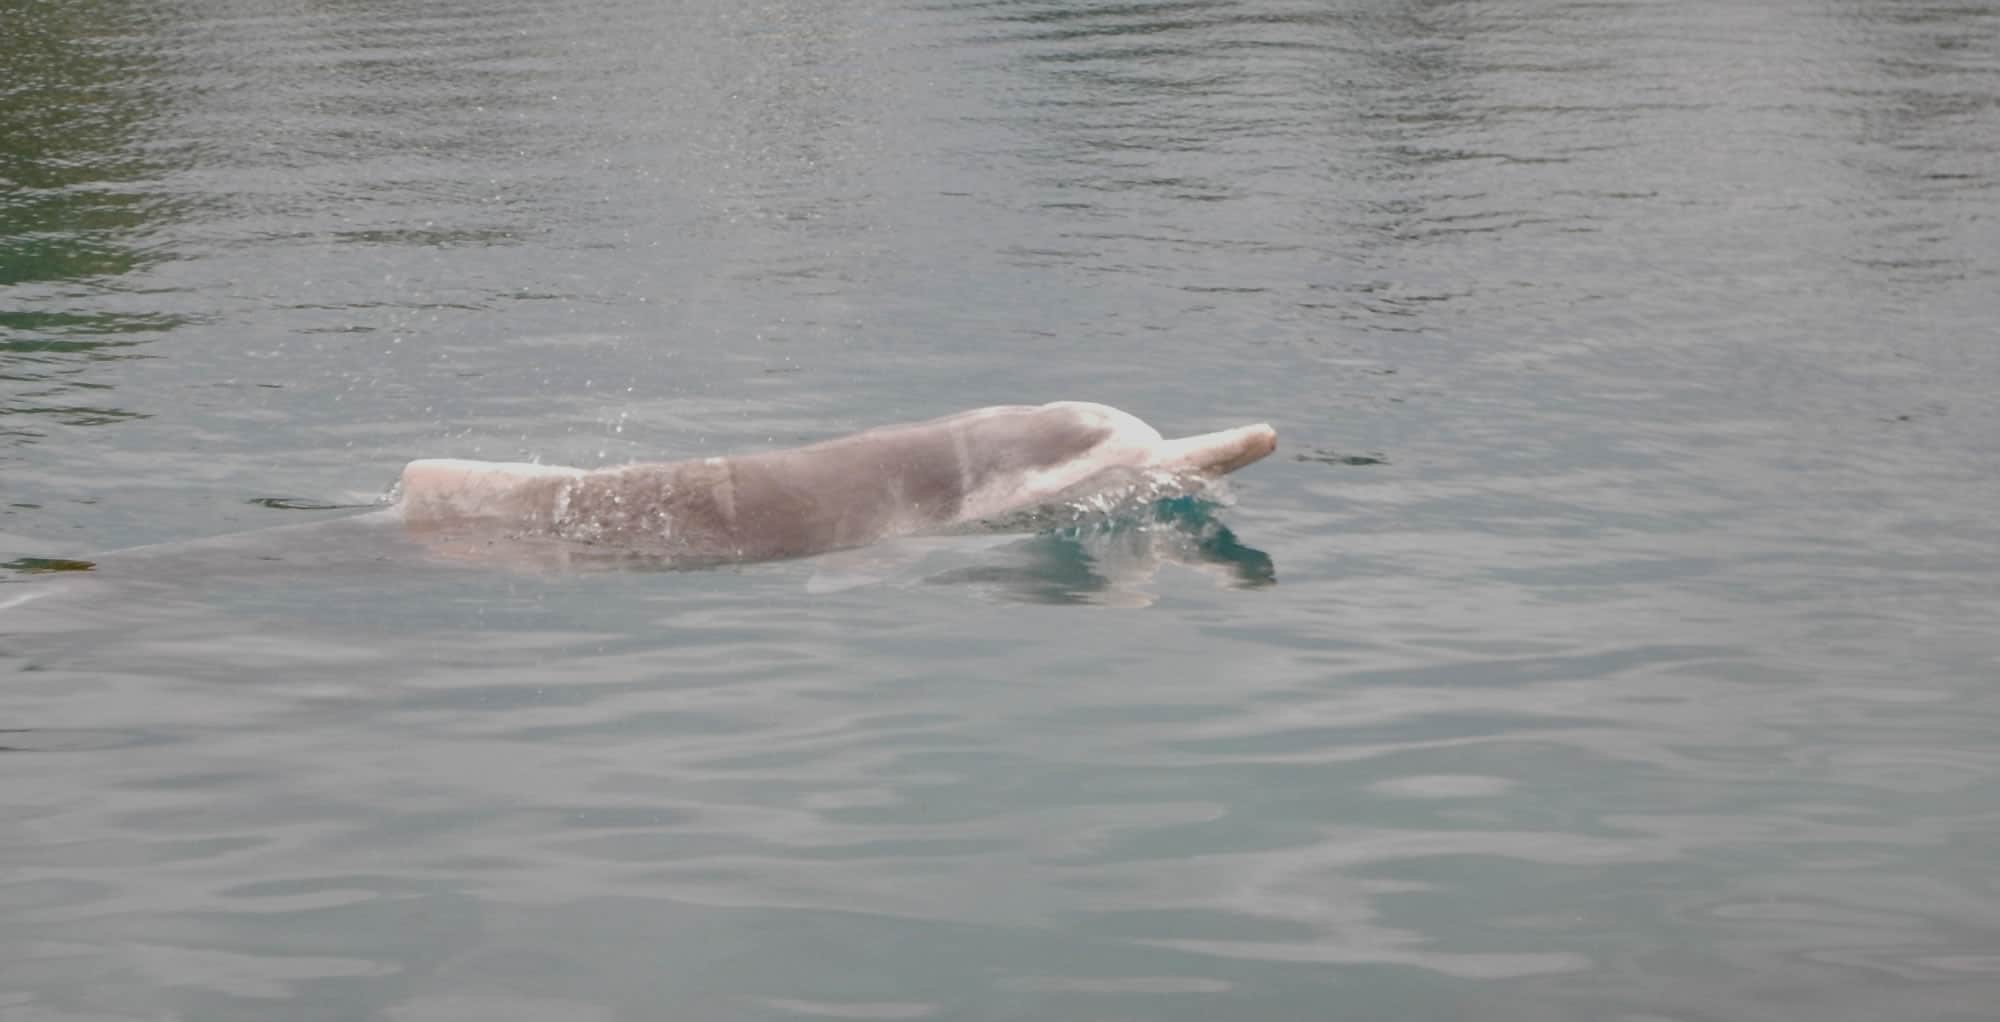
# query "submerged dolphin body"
(978, 466)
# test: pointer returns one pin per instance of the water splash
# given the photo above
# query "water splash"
(1113, 496)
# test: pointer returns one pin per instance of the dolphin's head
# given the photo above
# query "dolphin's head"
(1215, 454)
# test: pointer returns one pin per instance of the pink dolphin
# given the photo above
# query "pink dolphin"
(975, 466)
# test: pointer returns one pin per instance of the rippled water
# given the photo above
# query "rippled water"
(1613, 637)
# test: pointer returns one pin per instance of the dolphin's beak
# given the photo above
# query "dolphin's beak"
(1217, 453)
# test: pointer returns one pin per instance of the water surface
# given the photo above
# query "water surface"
(1612, 637)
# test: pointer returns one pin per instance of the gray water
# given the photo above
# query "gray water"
(1613, 636)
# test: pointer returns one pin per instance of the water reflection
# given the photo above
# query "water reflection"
(1111, 560)
(79, 208)
(1908, 98)
(1114, 561)
(76, 119)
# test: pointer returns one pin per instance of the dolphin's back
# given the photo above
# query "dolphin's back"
(860, 488)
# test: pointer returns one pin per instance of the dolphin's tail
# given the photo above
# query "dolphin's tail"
(1217, 453)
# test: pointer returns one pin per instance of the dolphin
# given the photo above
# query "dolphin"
(984, 465)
